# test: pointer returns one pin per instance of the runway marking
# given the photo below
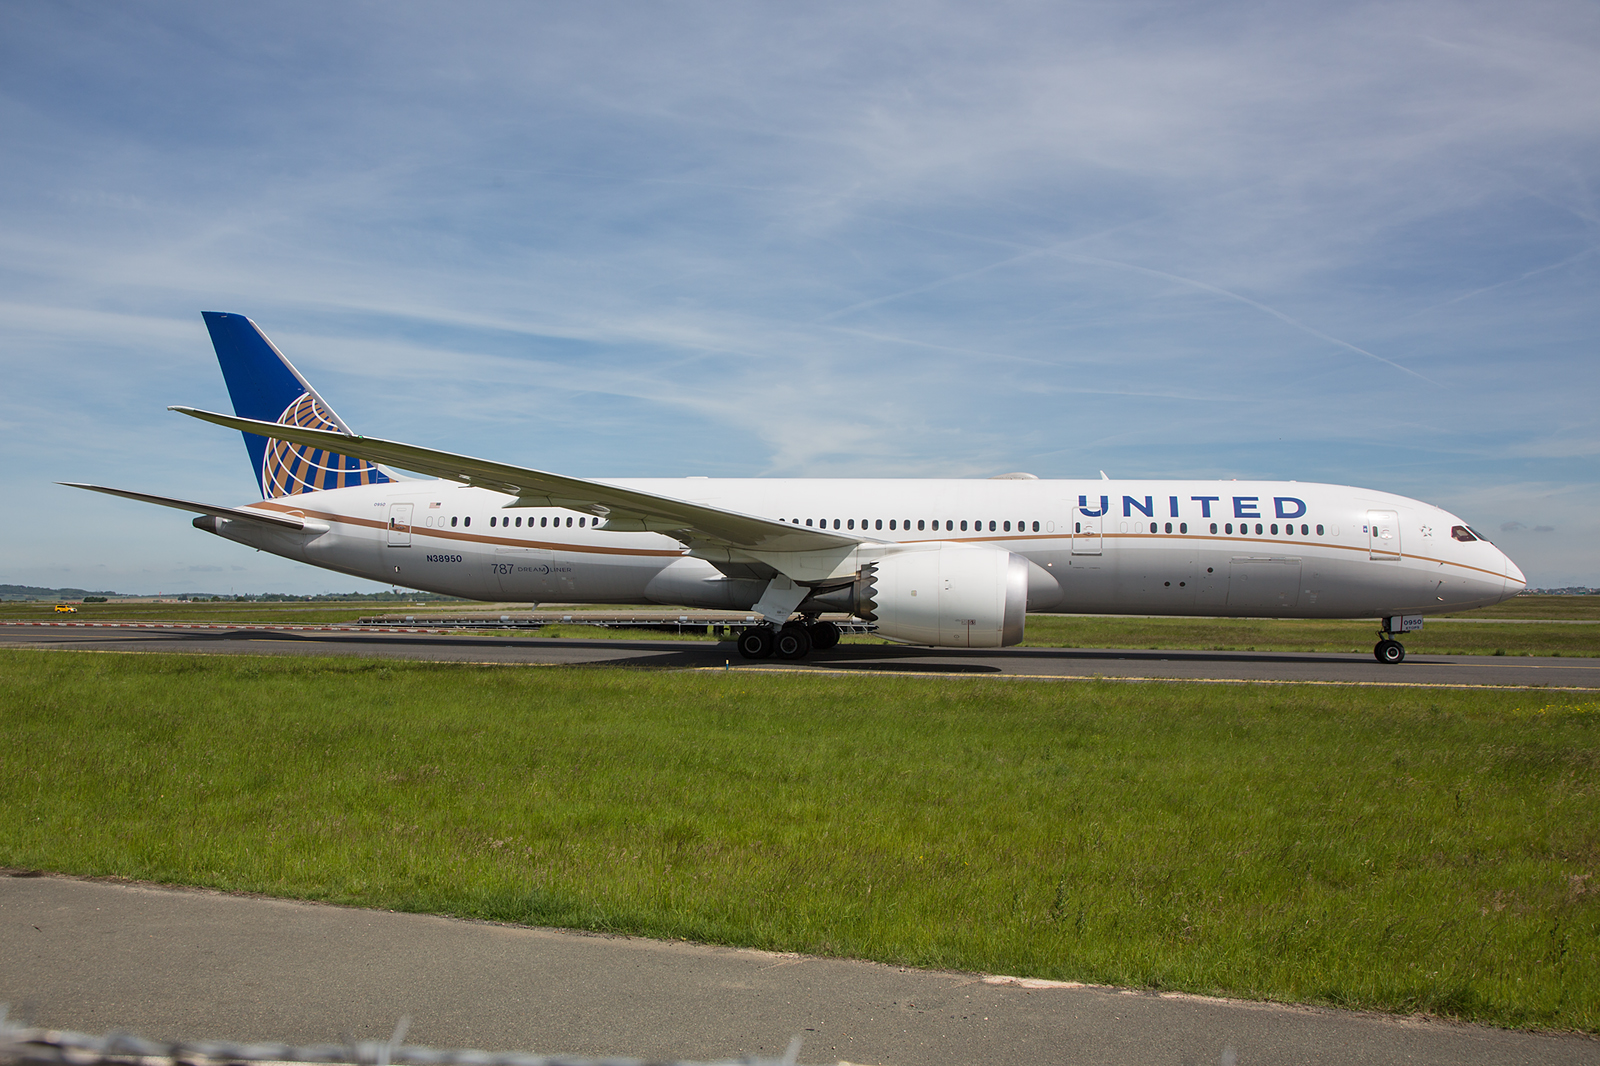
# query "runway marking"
(814, 670)
(833, 671)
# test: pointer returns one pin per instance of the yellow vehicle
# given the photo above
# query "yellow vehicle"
(66, 608)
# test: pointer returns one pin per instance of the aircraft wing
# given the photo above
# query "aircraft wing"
(624, 509)
(283, 521)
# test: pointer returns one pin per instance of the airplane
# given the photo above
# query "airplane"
(951, 563)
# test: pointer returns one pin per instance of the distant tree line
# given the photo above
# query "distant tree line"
(35, 592)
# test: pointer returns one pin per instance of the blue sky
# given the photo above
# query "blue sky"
(1354, 244)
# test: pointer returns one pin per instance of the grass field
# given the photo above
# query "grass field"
(1401, 849)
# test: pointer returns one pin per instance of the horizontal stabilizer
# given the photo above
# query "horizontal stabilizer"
(282, 521)
(623, 508)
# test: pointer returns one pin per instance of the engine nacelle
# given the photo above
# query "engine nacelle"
(945, 594)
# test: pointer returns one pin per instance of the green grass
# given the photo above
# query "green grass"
(1402, 849)
(1437, 637)
(1573, 608)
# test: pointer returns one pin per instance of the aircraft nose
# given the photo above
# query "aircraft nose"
(1515, 581)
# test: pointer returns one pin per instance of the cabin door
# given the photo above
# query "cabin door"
(1086, 531)
(400, 525)
(1383, 535)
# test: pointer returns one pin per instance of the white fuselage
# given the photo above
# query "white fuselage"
(1279, 549)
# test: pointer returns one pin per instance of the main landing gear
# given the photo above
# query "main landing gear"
(793, 640)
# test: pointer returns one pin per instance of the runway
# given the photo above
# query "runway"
(1048, 663)
(175, 964)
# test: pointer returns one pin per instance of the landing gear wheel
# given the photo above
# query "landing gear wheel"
(1389, 651)
(756, 642)
(824, 635)
(792, 642)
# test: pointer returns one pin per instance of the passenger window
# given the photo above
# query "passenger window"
(1258, 529)
(851, 524)
(581, 521)
(1274, 529)
(1152, 527)
(891, 523)
(1036, 527)
(569, 521)
(491, 521)
(1228, 527)
(1462, 533)
(1319, 529)
(452, 520)
(544, 520)
(1077, 527)
(808, 521)
(963, 525)
(835, 523)
(1213, 527)
(467, 521)
(1169, 527)
(991, 526)
(519, 522)
(1183, 527)
(920, 522)
(1305, 530)
(1007, 526)
(878, 524)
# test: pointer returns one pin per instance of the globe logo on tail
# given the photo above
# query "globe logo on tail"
(290, 469)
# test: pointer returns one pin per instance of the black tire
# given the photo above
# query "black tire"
(756, 642)
(824, 635)
(1390, 652)
(792, 642)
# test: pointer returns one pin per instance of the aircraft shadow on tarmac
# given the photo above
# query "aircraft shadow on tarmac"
(675, 654)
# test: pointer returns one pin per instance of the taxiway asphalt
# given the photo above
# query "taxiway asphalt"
(1056, 663)
(183, 965)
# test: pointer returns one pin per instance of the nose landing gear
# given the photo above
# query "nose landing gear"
(1391, 651)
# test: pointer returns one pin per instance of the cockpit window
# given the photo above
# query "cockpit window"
(1480, 536)
(1462, 533)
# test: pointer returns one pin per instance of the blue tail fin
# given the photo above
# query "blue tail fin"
(266, 386)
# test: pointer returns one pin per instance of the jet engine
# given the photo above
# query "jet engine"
(943, 594)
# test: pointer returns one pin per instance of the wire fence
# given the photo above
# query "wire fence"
(19, 1045)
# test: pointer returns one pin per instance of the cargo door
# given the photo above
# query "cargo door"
(400, 525)
(1383, 535)
(525, 574)
(1266, 583)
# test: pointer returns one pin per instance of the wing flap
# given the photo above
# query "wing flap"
(623, 508)
(282, 521)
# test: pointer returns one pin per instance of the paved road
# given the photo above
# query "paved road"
(1466, 670)
(171, 964)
